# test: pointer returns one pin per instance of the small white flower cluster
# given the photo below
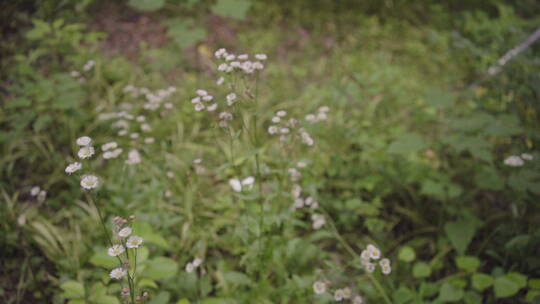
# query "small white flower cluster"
(318, 221)
(231, 62)
(40, 194)
(154, 100)
(321, 115)
(200, 100)
(88, 65)
(134, 157)
(285, 127)
(122, 233)
(191, 266)
(342, 294)
(281, 125)
(321, 287)
(518, 160)
(240, 185)
(199, 168)
(374, 253)
(88, 181)
(111, 150)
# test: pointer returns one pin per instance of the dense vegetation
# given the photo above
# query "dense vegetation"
(362, 130)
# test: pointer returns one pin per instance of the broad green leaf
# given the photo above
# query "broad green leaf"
(232, 8)
(403, 295)
(73, 289)
(104, 299)
(185, 33)
(146, 5)
(460, 234)
(144, 230)
(438, 98)
(504, 287)
(102, 259)
(481, 281)
(421, 270)
(450, 293)
(406, 254)
(518, 278)
(468, 263)
(472, 297)
(160, 268)
(407, 144)
(183, 301)
(237, 278)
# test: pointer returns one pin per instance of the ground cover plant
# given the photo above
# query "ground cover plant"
(243, 151)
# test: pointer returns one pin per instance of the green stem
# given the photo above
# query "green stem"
(351, 251)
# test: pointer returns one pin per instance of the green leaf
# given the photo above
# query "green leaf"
(481, 281)
(403, 295)
(439, 99)
(406, 254)
(183, 301)
(472, 297)
(161, 268)
(146, 5)
(407, 144)
(104, 299)
(161, 298)
(460, 234)
(18, 103)
(237, 278)
(144, 230)
(468, 263)
(102, 259)
(72, 289)
(232, 8)
(449, 293)
(504, 287)
(185, 33)
(488, 178)
(421, 270)
(518, 278)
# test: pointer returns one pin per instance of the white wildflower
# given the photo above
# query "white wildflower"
(34, 191)
(190, 267)
(133, 157)
(118, 273)
(318, 221)
(199, 107)
(84, 141)
(281, 113)
(384, 262)
(146, 127)
(347, 293)
(73, 167)
(386, 269)
(197, 262)
(370, 267)
(89, 182)
(358, 300)
(338, 295)
(116, 250)
(86, 152)
(231, 99)
(272, 130)
(527, 156)
(319, 287)
(149, 140)
(208, 97)
(514, 161)
(140, 118)
(212, 107)
(276, 119)
(261, 56)
(134, 135)
(42, 196)
(124, 232)
(220, 53)
(220, 81)
(109, 146)
(134, 241)
(201, 92)
(242, 57)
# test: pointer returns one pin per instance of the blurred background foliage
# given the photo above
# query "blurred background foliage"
(412, 156)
